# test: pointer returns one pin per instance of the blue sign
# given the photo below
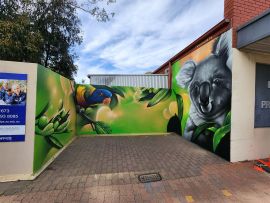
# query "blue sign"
(12, 107)
(262, 95)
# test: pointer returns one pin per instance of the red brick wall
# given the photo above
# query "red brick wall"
(241, 11)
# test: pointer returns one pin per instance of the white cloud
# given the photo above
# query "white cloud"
(144, 34)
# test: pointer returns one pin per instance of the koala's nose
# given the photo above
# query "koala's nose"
(204, 93)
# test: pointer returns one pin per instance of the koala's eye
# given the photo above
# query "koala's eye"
(217, 80)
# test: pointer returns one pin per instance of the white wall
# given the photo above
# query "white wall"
(16, 158)
(247, 143)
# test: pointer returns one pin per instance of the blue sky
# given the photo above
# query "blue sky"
(143, 34)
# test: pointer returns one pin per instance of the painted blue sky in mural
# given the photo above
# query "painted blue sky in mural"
(143, 34)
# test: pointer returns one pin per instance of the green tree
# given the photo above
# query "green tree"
(19, 40)
(59, 26)
(45, 31)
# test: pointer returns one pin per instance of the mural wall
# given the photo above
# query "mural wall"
(202, 80)
(197, 107)
(115, 110)
(55, 115)
(64, 110)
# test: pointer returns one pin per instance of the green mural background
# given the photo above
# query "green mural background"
(131, 110)
(64, 110)
(55, 115)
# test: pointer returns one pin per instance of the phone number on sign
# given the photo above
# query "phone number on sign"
(7, 115)
(4, 110)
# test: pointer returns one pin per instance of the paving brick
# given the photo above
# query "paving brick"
(105, 169)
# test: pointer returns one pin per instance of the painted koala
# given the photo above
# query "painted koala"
(209, 85)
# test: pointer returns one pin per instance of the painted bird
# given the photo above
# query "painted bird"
(87, 95)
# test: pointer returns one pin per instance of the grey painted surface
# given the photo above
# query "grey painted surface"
(262, 96)
(257, 29)
(144, 80)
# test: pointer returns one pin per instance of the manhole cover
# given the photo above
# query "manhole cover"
(149, 177)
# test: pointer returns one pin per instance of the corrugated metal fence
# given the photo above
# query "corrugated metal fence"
(143, 80)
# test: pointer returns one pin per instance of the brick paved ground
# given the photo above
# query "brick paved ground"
(105, 169)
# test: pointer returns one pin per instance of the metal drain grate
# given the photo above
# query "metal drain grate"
(149, 177)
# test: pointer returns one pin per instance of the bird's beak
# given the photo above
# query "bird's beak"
(107, 101)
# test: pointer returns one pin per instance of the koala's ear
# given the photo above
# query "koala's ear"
(186, 73)
(223, 48)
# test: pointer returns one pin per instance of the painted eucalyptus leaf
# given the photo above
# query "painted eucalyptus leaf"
(118, 91)
(160, 96)
(179, 101)
(46, 107)
(212, 129)
(227, 119)
(64, 117)
(86, 117)
(63, 113)
(54, 142)
(48, 130)
(102, 128)
(122, 89)
(200, 129)
(144, 89)
(56, 117)
(63, 126)
(155, 91)
(56, 124)
(91, 112)
(219, 134)
(152, 90)
(147, 97)
(114, 101)
(144, 93)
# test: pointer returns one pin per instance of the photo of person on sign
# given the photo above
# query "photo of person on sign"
(12, 92)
